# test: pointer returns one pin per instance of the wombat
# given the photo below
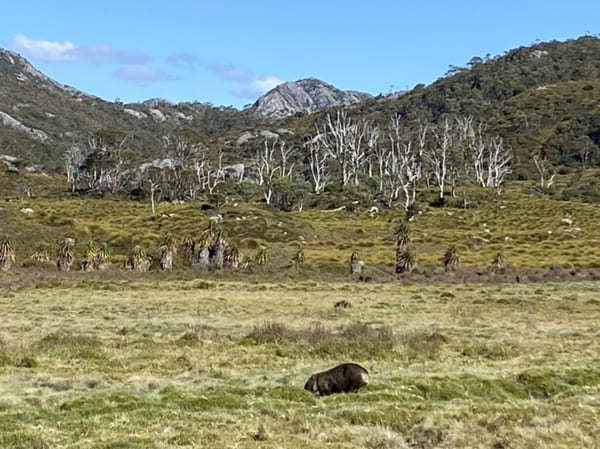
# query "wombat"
(343, 378)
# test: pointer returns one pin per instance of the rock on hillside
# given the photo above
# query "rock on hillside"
(307, 95)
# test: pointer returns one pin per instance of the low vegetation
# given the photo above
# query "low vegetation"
(222, 364)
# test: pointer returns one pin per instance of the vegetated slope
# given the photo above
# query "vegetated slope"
(307, 95)
(528, 229)
(40, 118)
(541, 99)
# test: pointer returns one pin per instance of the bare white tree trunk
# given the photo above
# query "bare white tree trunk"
(152, 190)
(545, 171)
(490, 161)
(358, 155)
(402, 166)
(266, 167)
(438, 154)
(287, 169)
(335, 138)
(214, 177)
(317, 160)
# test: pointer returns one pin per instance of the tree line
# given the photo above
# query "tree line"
(390, 160)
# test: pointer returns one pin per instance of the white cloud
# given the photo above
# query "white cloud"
(69, 52)
(257, 87)
(142, 74)
(44, 50)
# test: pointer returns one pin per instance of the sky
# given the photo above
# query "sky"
(230, 52)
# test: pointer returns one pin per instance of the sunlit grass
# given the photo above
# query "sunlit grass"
(197, 364)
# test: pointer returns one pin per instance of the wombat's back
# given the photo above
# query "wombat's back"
(345, 378)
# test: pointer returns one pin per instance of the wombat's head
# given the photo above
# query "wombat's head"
(311, 384)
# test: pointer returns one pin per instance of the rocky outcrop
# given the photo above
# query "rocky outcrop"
(307, 95)
(7, 120)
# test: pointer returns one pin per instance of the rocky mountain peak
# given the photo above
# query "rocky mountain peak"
(306, 95)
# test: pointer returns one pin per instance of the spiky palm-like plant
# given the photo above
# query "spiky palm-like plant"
(217, 252)
(103, 257)
(168, 249)
(451, 258)
(233, 257)
(499, 262)
(202, 258)
(262, 258)
(402, 241)
(41, 254)
(188, 249)
(298, 258)
(138, 259)
(65, 255)
(91, 257)
(7, 254)
(406, 262)
(355, 264)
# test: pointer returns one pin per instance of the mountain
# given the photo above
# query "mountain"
(542, 99)
(40, 118)
(306, 95)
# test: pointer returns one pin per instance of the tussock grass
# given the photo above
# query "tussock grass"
(144, 364)
(355, 340)
(525, 228)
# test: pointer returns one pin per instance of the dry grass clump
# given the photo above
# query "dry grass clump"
(355, 340)
(381, 437)
(423, 343)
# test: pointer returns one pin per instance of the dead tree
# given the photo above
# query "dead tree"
(402, 166)
(287, 168)
(491, 160)
(266, 167)
(438, 153)
(358, 154)
(380, 154)
(343, 141)
(545, 171)
(318, 164)
(105, 163)
(215, 176)
(74, 157)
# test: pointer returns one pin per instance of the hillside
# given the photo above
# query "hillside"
(40, 118)
(543, 99)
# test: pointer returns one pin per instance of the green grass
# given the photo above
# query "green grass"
(525, 227)
(222, 364)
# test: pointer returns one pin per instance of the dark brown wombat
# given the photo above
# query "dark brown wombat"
(343, 378)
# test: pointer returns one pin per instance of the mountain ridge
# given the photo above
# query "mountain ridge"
(543, 99)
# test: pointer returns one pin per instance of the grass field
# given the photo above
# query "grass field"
(529, 230)
(197, 363)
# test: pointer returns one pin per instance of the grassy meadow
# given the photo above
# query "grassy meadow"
(529, 229)
(190, 364)
(191, 359)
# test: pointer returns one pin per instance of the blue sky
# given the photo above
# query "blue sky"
(230, 52)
